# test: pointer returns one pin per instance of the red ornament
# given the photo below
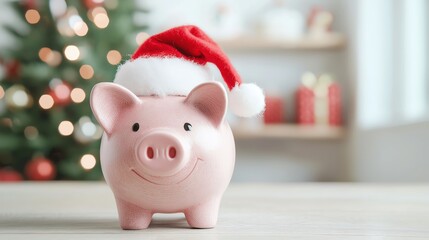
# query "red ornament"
(40, 169)
(13, 69)
(90, 4)
(60, 92)
(30, 4)
(9, 175)
(274, 112)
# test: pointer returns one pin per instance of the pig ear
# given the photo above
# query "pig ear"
(108, 100)
(211, 100)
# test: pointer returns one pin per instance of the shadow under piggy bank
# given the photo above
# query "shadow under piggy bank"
(66, 224)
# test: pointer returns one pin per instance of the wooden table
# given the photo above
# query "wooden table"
(80, 210)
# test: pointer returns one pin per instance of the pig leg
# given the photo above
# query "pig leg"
(132, 217)
(203, 215)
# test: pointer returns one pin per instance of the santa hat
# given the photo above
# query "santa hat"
(174, 62)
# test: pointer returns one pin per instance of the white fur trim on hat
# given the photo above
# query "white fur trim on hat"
(146, 76)
(246, 100)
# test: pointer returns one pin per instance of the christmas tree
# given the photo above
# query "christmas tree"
(47, 130)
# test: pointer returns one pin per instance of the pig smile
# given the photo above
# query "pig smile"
(156, 183)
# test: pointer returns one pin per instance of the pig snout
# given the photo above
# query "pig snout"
(161, 153)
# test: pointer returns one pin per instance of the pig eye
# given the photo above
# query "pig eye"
(187, 127)
(136, 127)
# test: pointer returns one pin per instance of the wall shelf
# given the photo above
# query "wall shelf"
(289, 131)
(330, 41)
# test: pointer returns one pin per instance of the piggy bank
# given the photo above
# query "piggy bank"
(165, 154)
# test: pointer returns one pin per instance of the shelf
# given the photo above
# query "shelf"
(330, 41)
(289, 131)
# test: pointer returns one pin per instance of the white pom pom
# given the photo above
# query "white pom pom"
(246, 100)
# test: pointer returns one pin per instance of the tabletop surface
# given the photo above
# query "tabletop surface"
(86, 210)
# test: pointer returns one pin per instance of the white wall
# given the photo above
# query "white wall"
(383, 148)
(392, 154)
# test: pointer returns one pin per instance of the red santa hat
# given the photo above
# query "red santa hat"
(174, 62)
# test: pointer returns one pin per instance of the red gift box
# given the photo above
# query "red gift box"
(319, 102)
(274, 110)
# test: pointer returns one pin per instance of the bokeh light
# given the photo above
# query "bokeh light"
(72, 52)
(44, 53)
(46, 101)
(65, 128)
(20, 98)
(32, 16)
(62, 91)
(101, 20)
(52, 58)
(81, 29)
(88, 161)
(86, 71)
(89, 129)
(78, 95)
(114, 57)
(141, 37)
(31, 132)
(1, 92)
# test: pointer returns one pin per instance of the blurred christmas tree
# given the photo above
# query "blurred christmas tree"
(47, 130)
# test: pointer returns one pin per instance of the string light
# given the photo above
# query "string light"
(20, 98)
(81, 29)
(7, 122)
(58, 7)
(72, 52)
(44, 53)
(52, 58)
(31, 132)
(86, 130)
(89, 129)
(141, 37)
(64, 27)
(88, 161)
(65, 128)
(62, 91)
(86, 71)
(78, 95)
(46, 101)
(32, 16)
(78, 25)
(74, 19)
(95, 11)
(99, 16)
(1, 92)
(101, 20)
(114, 57)
(17, 96)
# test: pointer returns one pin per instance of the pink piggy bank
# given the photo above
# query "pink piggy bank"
(165, 154)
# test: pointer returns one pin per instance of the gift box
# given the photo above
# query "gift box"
(274, 110)
(305, 105)
(318, 101)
